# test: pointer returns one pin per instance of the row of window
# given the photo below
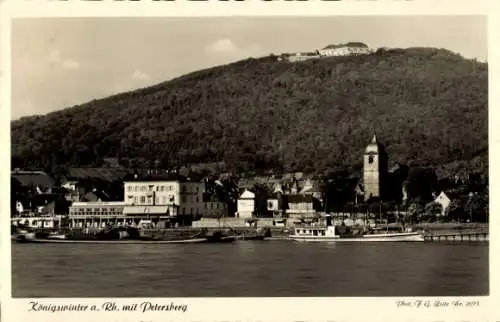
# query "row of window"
(160, 188)
(80, 210)
(150, 188)
(217, 206)
(300, 206)
(163, 200)
(313, 232)
(182, 211)
(101, 213)
(118, 211)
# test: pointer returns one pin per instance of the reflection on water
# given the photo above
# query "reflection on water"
(249, 268)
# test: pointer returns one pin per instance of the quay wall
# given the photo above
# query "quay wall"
(452, 226)
(187, 232)
(458, 237)
(235, 223)
(447, 231)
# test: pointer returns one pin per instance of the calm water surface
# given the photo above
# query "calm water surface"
(277, 268)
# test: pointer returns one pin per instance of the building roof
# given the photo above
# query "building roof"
(442, 196)
(297, 198)
(311, 186)
(278, 188)
(274, 196)
(38, 200)
(90, 196)
(105, 174)
(98, 203)
(159, 177)
(33, 179)
(140, 210)
(247, 194)
(349, 44)
(112, 162)
(375, 146)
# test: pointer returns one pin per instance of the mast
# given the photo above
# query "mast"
(380, 211)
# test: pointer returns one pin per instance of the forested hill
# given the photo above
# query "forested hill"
(427, 105)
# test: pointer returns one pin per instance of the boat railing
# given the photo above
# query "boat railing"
(310, 226)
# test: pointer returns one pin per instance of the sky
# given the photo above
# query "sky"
(62, 62)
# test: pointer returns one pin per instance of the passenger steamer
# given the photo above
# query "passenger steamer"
(331, 233)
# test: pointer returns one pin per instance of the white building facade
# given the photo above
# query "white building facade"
(246, 204)
(96, 214)
(168, 197)
(444, 201)
(348, 49)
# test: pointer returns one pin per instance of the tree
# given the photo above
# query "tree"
(433, 210)
(476, 208)
(421, 183)
(262, 192)
(415, 210)
(17, 193)
(456, 210)
(338, 190)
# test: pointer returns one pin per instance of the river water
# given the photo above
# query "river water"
(250, 268)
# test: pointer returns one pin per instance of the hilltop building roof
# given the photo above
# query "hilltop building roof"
(349, 44)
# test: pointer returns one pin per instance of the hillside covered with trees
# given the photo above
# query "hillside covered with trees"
(426, 105)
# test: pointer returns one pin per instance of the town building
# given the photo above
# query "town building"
(38, 181)
(163, 196)
(215, 209)
(73, 191)
(298, 57)
(300, 206)
(37, 221)
(375, 164)
(37, 204)
(70, 185)
(273, 205)
(97, 214)
(311, 187)
(444, 201)
(246, 204)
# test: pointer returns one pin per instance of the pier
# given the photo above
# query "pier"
(459, 236)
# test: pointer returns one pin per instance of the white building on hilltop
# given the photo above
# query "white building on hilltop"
(348, 49)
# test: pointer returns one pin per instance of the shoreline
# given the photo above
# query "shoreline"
(276, 233)
(436, 226)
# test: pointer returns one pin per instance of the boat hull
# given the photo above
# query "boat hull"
(108, 238)
(402, 237)
(129, 241)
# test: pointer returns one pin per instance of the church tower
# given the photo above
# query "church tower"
(375, 163)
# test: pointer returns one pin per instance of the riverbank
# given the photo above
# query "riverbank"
(274, 233)
(452, 228)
